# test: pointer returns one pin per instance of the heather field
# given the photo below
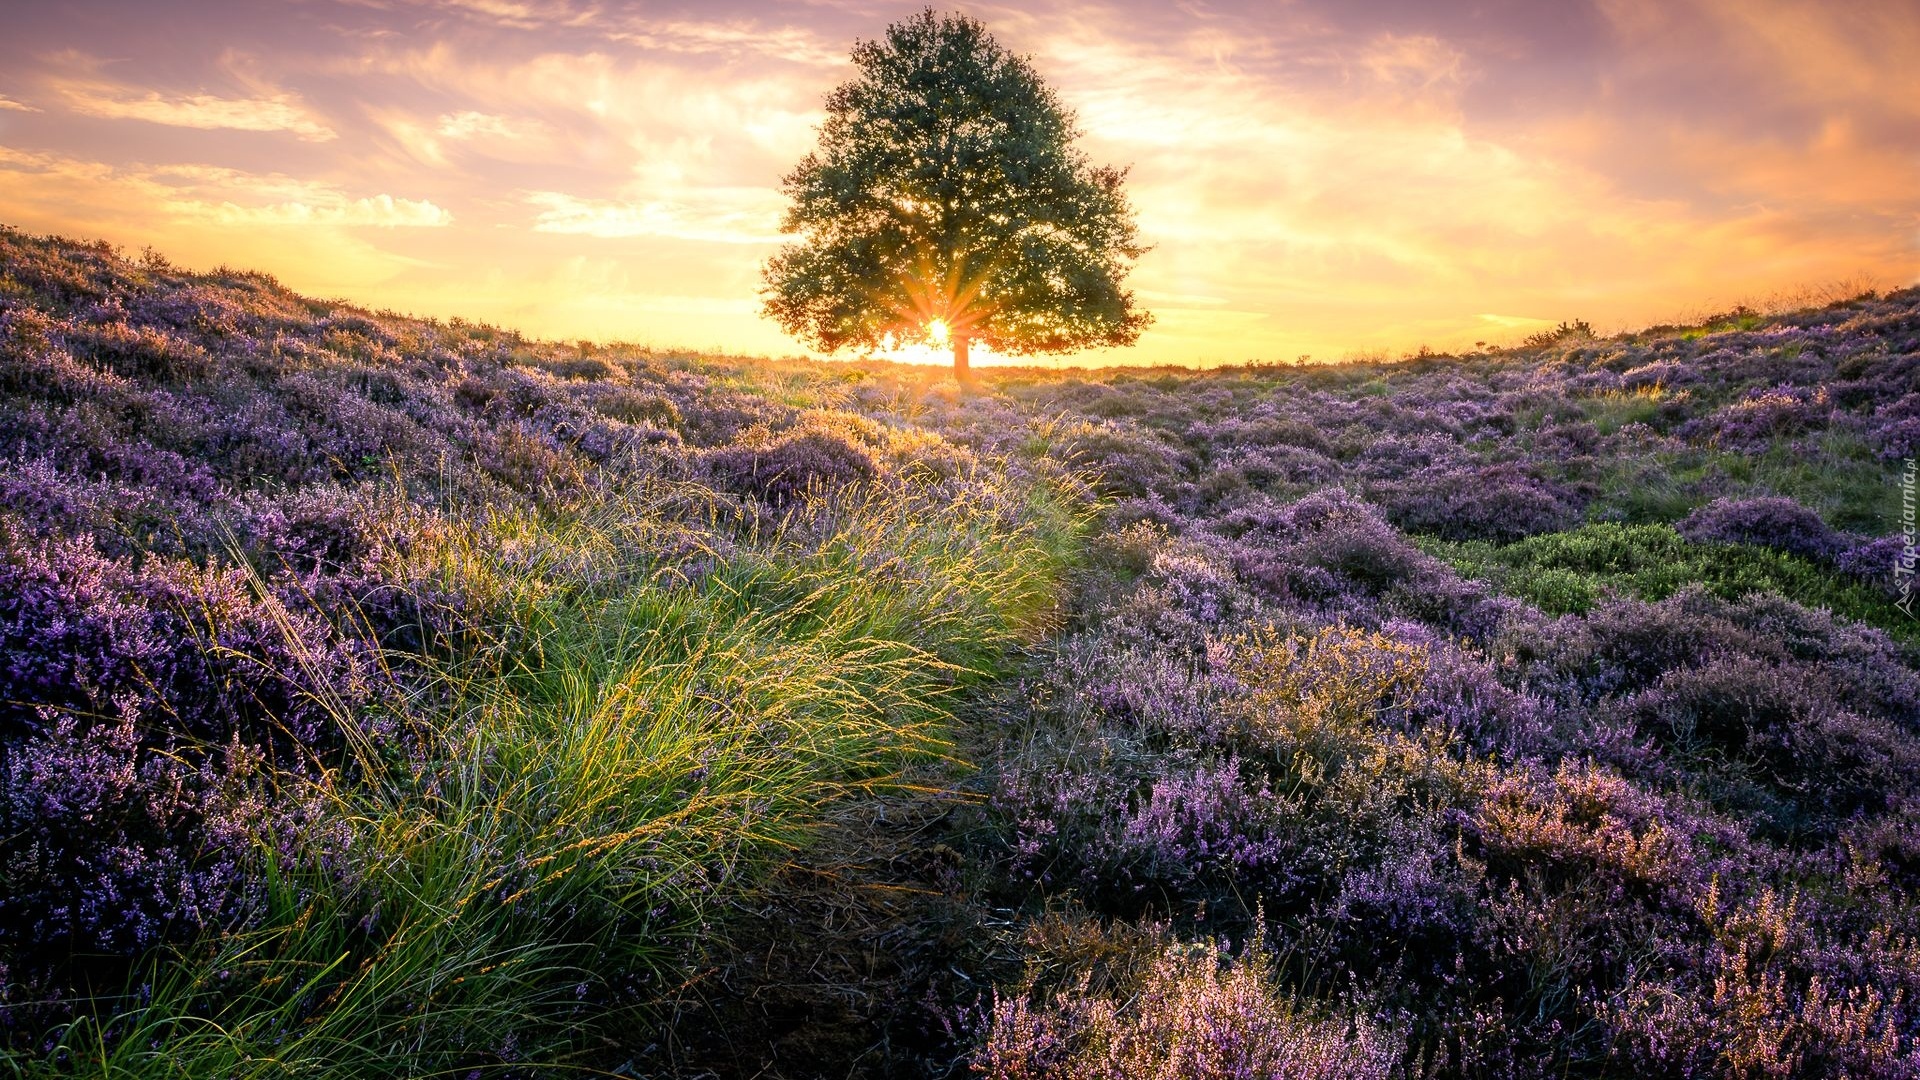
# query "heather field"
(389, 697)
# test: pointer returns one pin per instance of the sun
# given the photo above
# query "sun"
(929, 346)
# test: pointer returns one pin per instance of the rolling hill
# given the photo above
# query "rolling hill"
(387, 696)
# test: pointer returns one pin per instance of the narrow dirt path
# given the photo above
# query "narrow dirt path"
(849, 958)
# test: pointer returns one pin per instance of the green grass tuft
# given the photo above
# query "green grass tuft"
(624, 754)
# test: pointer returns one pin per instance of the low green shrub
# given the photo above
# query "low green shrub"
(1569, 572)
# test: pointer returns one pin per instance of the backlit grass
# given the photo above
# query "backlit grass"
(630, 747)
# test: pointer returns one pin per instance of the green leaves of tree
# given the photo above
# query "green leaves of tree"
(946, 186)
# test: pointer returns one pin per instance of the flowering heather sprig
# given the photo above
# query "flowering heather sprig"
(1764, 416)
(1194, 1016)
(782, 472)
(1210, 823)
(114, 846)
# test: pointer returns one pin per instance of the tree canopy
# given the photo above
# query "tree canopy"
(946, 199)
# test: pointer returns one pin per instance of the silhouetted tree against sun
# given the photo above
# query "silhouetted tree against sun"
(946, 201)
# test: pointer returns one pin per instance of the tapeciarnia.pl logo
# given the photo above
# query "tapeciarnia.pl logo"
(1903, 569)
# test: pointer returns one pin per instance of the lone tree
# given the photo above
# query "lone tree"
(946, 202)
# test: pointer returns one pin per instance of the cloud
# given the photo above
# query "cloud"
(209, 195)
(208, 112)
(7, 104)
(1419, 60)
(1352, 183)
(697, 305)
(519, 14)
(1513, 322)
(663, 107)
(747, 216)
(475, 125)
(1315, 177)
(1183, 300)
(379, 211)
(235, 197)
(793, 44)
(439, 140)
(649, 30)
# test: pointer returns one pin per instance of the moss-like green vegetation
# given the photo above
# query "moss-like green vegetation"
(1568, 572)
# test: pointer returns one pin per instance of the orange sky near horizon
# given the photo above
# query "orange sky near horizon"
(1317, 177)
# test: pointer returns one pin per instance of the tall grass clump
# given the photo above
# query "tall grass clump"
(628, 744)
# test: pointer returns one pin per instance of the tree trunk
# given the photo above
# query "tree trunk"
(961, 372)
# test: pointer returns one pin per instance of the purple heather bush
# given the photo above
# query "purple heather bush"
(149, 712)
(1194, 1015)
(1410, 902)
(1489, 502)
(1215, 821)
(1671, 837)
(1125, 460)
(1764, 416)
(1333, 532)
(1396, 456)
(81, 631)
(1781, 524)
(1198, 583)
(115, 844)
(1461, 697)
(123, 517)
(1148, 689)
(1261, 426)
(1768, 727)
(1335, 553)
(1877, 561)
(1894, 430)
(784, 471)
(1660, 373)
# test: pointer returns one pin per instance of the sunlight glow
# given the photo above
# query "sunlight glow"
(935, 348)
(1316, 178)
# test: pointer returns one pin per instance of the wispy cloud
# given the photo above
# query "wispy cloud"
(380, 211)
(704, 34)
(733, 36)
(478, 125)
(205, 194)
(1513, 322)
(520, 14)
(279, 112)
(1172, 299)
(438, 140)
(743, 217)
(1315, 177)
(1414, 59)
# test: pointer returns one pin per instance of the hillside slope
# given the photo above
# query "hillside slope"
(385, 695)
(393, 697)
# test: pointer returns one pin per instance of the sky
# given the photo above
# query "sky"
(1321, 178)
